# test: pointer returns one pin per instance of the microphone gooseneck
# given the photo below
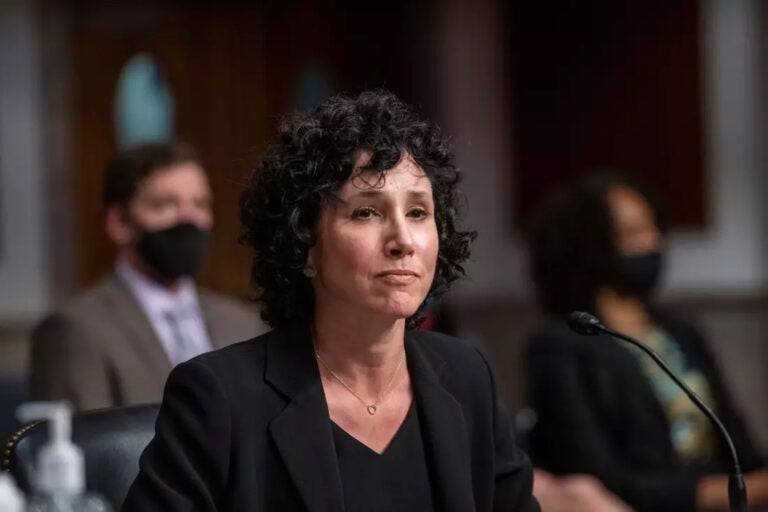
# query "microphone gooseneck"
(584, 323)
(587, 324)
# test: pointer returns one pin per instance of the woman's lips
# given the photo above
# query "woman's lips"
(398, 277)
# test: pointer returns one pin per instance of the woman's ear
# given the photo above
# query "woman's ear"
(309, 268)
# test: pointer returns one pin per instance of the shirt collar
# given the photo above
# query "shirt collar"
(153, 296)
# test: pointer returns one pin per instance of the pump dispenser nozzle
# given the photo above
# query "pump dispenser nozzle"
(60, 464)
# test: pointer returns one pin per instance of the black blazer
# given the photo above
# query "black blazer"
(598, 414)
(247, 428)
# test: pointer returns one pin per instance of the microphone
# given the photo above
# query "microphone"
(589, 325)
(584, 323)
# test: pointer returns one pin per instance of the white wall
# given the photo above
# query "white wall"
(727, 258)
(23, 266)
(730, 257)
(477, 116)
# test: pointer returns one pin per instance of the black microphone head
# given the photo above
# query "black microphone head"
(584, 323)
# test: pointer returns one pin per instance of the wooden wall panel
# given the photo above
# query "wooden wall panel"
(234, 69)
(214, 61)
(609, 85)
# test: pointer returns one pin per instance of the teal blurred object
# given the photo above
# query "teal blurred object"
(315, 85)
(144, 106)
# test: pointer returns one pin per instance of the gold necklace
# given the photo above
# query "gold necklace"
(373, 407)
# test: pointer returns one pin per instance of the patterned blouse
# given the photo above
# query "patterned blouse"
(692, 436)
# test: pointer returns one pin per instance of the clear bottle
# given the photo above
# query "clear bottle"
(67, 503)
(11, 499)
(60, 481)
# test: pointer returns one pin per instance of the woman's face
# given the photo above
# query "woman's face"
(634, 222)
(377, 248)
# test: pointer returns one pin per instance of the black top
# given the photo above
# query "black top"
(598, 414)
(247, 428)
(398, 479)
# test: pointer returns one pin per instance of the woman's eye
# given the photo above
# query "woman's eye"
(418, 213)
(363, 213)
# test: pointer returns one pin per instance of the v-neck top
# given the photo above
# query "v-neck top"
(397, 479)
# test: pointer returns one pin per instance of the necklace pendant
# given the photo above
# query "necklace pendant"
(372, 409)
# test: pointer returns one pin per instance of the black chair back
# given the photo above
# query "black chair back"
(13, 393)
(111, 439)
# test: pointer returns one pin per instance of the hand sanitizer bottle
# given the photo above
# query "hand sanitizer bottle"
(60, 482)
(11, 499)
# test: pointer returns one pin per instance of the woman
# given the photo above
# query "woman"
(343, 406)
(604, 408)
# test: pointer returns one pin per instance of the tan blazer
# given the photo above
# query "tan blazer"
(101, 350)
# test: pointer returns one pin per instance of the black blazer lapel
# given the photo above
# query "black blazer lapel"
(302, 432)
(444, 428)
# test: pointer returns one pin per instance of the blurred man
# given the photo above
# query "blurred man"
(116, 344)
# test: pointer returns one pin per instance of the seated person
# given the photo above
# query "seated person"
(117, 342)
(604, 407)
(345, 405)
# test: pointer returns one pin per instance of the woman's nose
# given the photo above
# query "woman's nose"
(400, 240)
(649, 241)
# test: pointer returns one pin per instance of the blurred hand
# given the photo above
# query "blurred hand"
(574, 493)
(757, 487)
(712, 491)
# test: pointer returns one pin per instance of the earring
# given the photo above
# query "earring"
(310, 271)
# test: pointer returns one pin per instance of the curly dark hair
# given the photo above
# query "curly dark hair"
(572, 252)
(315, 155)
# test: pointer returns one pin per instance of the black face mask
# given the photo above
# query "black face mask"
(175, 251)
(637, 275)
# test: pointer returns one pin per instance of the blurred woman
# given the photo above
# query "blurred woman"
(605, 408)
(344, 405)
